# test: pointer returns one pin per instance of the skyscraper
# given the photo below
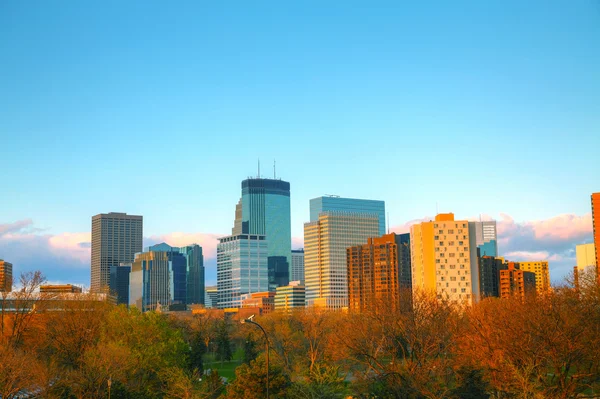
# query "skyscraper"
(596, 223)
(211, 297)
(325, 243)
(265, 210)
(297, 265)
(195, 273)
(158, 278)
(116, 238)
(119, 282)
(374, 274)
(444, 258)
(542, 274)
(6, 276)
(485, 234)
(242, 268)
(586, 256)
(348, 205)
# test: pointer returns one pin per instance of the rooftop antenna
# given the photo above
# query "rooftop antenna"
(274, 171)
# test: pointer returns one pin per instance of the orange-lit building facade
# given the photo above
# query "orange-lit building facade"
(596, 223)
(6, 276)
(542, 274)
(60, 289)
(262, 302)
(374, 274)
(514, 282)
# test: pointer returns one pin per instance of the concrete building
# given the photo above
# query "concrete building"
(263, 302)
(586, 256)
(486, 238)
(297, 265)
(158, 281)
(444, 258)
(60, 289)
(325, 243)
(489, 276)
(374, 274)
(542, 274)
(596, 228)
(349, 205)
(6, 276)
(290, 297)
(242, 268)
(515, 282)
(116, 238)
(211, 298)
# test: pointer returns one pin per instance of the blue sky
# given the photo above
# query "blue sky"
(161, 109)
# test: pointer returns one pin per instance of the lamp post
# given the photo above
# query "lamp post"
(109, 383)
(249, 320)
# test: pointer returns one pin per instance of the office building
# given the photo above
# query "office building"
(263, 302)
(158, 281)
(211, 297)
(290, 297)
(6, 276)
(374, 274)
(265, 211)
(349, 205)
(119, 282)
(542, 274)
(486, 239)
(195, 273)
(586, 256)
(489, 272)
(242, 268)
(325, 243)
(60, 289)
(405, 280)
(444, 259)
(297, 265)
(116, 238)
(596, 229)
(514, 282)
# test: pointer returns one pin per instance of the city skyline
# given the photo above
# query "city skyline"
(459, 108)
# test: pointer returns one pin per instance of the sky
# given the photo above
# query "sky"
(161, 108)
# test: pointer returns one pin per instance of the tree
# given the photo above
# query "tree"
(223, 340)
(25, 306)
(17, 372)
(250, 351)
(251, 379)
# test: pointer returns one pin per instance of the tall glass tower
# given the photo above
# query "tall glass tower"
(348, 205)
(266, 211)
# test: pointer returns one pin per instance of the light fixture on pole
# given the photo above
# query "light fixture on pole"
(249, 320)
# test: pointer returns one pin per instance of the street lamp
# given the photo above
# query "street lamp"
(109, 383)
(249, 320)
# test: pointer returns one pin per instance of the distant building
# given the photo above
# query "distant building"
(586, 256)
(264, 302)
(405, 269)
(119, 282)
(195, 273)
(116, 238)
(6, 276)
(297, 265)
(158, 280)
(211, 297)
(290, 297)
(486, 239)
(325, 243)
(242, 268)
(489, 276)
(542, 274)
(596, 225)
(444, 258)
(374, 274)
(514, 282)
(349, 205)
(60, 289)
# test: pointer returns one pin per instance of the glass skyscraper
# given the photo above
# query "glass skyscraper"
(195, 273)
(242, 268)
(485, 235)
(265, 210)
(348, 205)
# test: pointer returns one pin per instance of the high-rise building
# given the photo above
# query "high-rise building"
(325, 243)
(348, 205)
(513, 281)
(60, 289)
(195, 273)
(542, 274)
(489, 269)
(403, 241)
(374, 274)
(211, 298)
(444, 258)
(586, 256)
(265, 211)
(158, 280)
(485, 235)
(6, 276)
(116, 238)
(242, 268)
(596, 224)
(119, 282)
(297, 265)
(290, 297)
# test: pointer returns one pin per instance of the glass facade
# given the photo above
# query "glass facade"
(297, 265)
(242, 268)
(485, 233)
(351, 205)
(119, 282)
(195, 273)
(266, 211)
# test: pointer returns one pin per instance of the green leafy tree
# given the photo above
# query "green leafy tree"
(251, 381)
(250, 351)
(223, 340)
